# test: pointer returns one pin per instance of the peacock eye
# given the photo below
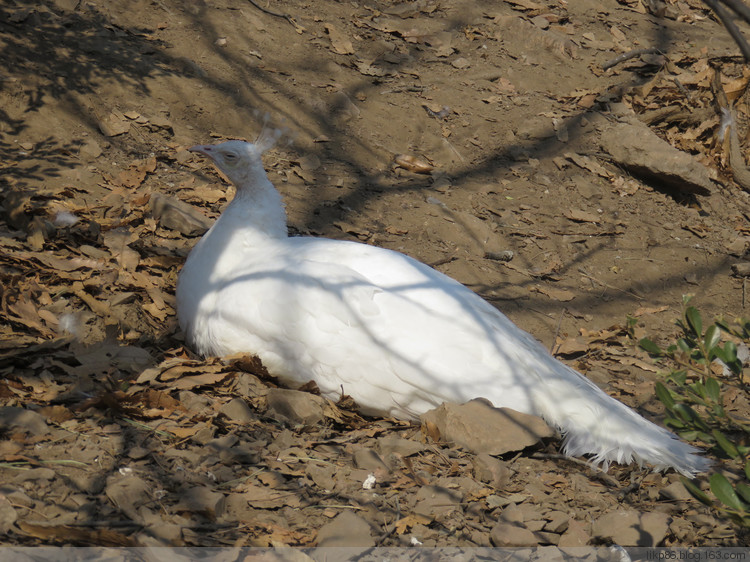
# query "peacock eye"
(230, 156)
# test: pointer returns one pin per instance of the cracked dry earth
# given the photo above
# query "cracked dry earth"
(485, 139)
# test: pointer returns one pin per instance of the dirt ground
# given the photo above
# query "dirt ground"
(451, 131)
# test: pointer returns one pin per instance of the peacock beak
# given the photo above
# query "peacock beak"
(206, 149)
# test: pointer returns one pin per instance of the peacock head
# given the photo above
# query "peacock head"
(239, 160)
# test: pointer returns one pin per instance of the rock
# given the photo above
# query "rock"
(575, 535)
(35, 474)
(237, 411)
(490, 470)
(509, 535)
(435, 501)
(90, 150)
(511, 514)
(25, 420)
(628, 527)
(557, 522)
(394, 445)
(675, 491)
(634, 147)
(480, 428)
(347, 529)
(8, 515)
(129, 493)
(368, 459)
(178, 215)
(296, 407)
(201, 499)
(323, 476)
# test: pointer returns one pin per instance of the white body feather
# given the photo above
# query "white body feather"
(396, 335)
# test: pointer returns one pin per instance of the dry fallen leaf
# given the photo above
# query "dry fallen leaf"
(581, 216)
(339, 42)
(413, 164)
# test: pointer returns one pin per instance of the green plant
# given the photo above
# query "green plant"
(692, 397)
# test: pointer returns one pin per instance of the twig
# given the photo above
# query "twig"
(607, 285)
(596, 471)
(297, 27)
(629, 55)
(731, 27)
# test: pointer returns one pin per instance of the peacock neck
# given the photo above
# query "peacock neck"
(256, 210)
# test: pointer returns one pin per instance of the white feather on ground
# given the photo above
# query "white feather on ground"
(396, 335)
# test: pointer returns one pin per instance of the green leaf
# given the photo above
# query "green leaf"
(696, 492)
(650, 347)
(663, 394)
(713, 389)
(674, 422)
(722, 489)
(693, 318)
(712, 337)
(690, 417)
(726, 445)
(683, 345)
(689, 435)
(699, 389)
(743, 490)
(679, 377)
(747, 470)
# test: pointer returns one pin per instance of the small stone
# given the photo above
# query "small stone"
(347, 529)
(178, 215)
(296, 407)
(480, 428)
(675, 491)
(368, 459)
(557, 522)
(628, 527)
(35, 474)
(25, 420)
(8, 515)
(128, 494)
(575, 535)
(509, 535)
(540, 21)
(491, 470)
(461, 63)
(237, 411)
(201, 499)
(436, 501)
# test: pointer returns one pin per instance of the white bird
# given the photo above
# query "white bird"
(396, 335)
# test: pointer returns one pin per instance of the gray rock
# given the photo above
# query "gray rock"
(128, 494)
(490, 470)
(480, 428)
(347, 529)
(237, 410)
(368, 459)
(575, 535)
(8, 515)
(509, 535)
(557, 522)
(202, 499)
(296, 407)
(394, 445)
(35, 474)
(635, 147)
(435, 501)
(628, 527)
(20, 418)
(675, 491)
(178, 215)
